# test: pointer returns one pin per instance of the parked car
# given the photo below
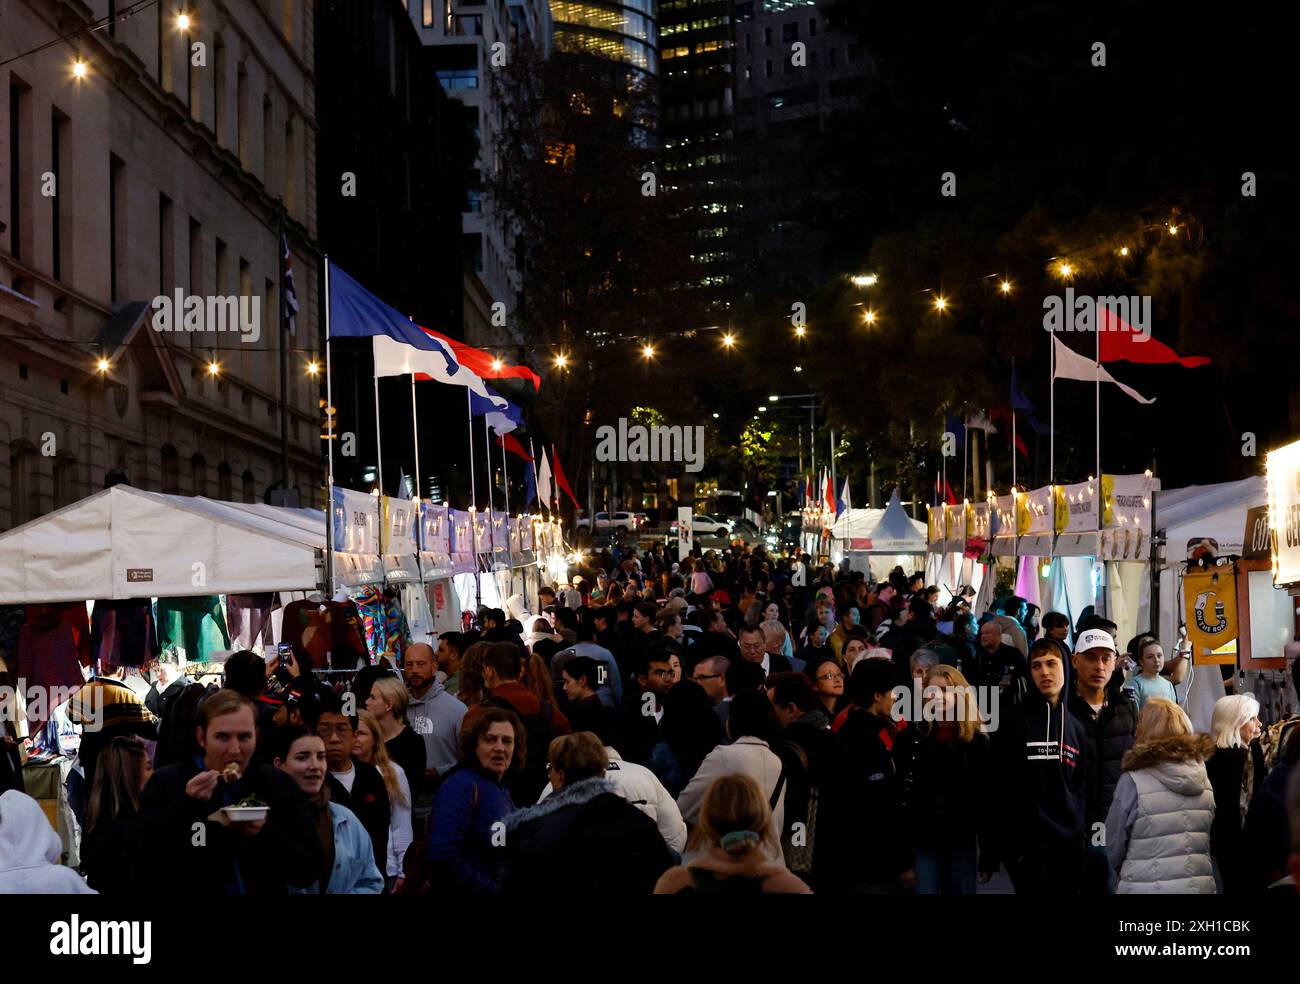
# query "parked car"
(702, 525)
(619, 522)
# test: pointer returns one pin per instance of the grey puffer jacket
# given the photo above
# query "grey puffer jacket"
(1158, 827)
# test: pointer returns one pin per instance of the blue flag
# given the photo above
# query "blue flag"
(1021, 402)
(502, 415)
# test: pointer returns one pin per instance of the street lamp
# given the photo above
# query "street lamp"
(561, 361)
(940, 303)
(102, 365)
(497, 365)
(647, 351)
(728, 340)
(1005, 286)
(869, 316)
(313, 368)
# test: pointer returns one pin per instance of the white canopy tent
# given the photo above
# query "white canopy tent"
(127, 543)
(880, 539)
(1195, 513)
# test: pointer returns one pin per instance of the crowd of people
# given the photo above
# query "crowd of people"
(730, 723)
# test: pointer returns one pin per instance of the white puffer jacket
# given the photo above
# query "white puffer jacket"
(1158, 827)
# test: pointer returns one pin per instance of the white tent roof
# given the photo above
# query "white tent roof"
(856, 523)
(1215, 512)
(128, 543)
(888, 530)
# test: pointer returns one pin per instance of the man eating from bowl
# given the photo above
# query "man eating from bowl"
(183, 810)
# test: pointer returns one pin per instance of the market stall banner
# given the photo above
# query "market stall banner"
(500, 542)
(1210, 606)
(1006, 509)
(356, 522)
(435, 529)
(979, 528)
(400, 516)
(954, 517)
(528, 526)
(1037, 507)
(462, 541)
(1126, 516)
(936, 528)
(1075, 508)
(1284, 512)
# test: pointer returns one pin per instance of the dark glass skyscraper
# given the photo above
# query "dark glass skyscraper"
(624, 31)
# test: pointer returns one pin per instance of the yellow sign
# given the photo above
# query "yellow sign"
(1107, 501)
(1024, 520)
(1060, 509)
(1210, 606)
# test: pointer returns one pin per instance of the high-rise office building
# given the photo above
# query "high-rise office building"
(469, 39)
(624, 31)
(792, 76)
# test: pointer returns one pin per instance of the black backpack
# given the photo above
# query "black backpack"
(526, 784)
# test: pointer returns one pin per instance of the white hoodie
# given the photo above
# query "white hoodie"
(29, 852)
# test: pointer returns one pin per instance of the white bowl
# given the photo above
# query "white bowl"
(246, 814)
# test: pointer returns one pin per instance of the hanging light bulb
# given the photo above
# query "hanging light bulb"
(940, 303)
(313, 368)
(497, 365)
(102, 365)
(1005, 286)
(79, 69)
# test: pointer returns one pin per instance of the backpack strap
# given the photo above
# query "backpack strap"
(776, 793)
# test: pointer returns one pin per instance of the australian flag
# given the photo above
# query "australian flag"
(290, 298)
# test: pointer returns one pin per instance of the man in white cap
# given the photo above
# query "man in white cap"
(1108, 715)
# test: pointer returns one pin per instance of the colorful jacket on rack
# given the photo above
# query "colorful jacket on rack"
(324, 628)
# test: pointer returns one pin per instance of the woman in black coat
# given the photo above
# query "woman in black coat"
(106, 850)
(943, 763)
(1236, 771)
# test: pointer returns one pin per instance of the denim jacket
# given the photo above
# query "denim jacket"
(355, 872)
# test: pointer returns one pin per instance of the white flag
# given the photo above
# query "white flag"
(844, 496)
(1072, 365)
(544, 481)
(394, 358)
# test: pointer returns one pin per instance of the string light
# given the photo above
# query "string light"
(800, 331)
(647, 351)
(1173, 230)
(79, 69)
(864, 280)
(561, 361)
(103, 364)
(497, 365)
(869, 316)
(1065, 271)
(183, 22)
(313, 367)
(214, 367)
(728, 340)
(1005, 286)
(1123, 251)
(940, 303)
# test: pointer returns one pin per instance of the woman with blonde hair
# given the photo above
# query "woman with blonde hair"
(368, 746)
(1158, 827)
(388, 701)
(942, 761)
(1236, 772)
(735, 825)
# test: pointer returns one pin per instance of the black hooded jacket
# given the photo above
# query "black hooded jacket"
(1040, 760)
(1107, 736)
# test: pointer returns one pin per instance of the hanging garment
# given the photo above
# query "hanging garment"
(399, 632)
(12, 618)
(48, 659)
(122, 632)
(369, 601)
(328, 630)
(250, 619)
(74, 614)
(195, 626)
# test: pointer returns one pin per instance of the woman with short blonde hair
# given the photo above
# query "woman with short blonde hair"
(387, 702)
(1236, 771)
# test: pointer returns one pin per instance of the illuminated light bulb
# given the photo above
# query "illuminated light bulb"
(313, 368)
(647, 351)
(497, 365)
(715, 416)
(561, 361)
(79, 69)
(1005, 286)
(728, 340)
(183, 22)
(214, 367)
(102, 365)
(940, 304)
(869, 317)
(1173, 230)
(1066, 270)
(800, 331)
(1123, 251)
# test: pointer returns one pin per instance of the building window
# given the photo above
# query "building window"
(24, 486)
(60, 230)
(171, 481)
(196, 257)
(749, 72)
(812, 27)
(290, 167)
(166, 246)
(225, 485)
(426, 17)
(247, 482)
(17, 172)
(769, 68)
(790, 32)
(200, 466)
(219, 90)
(223, 268)
(453, 79)
(767, 36)
(835, 56)
(243, 114)
(65, 482)
(268, 142)
(116, 221)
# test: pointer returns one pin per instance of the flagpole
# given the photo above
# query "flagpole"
(492, 533)
(1014, 446)
(329, 444)
(965, 456)
(1051, 389)
(379, 451)
(415, 429)
(505, 478)
(834, 484)
(532, 453)
(1098, 408)
(473, 501)
(281, 323)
